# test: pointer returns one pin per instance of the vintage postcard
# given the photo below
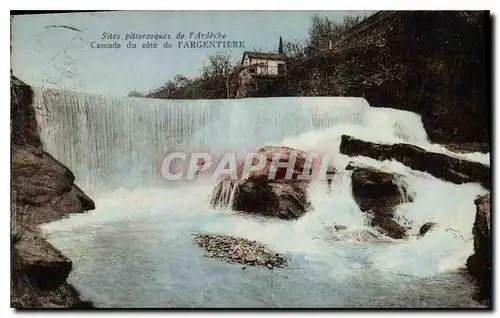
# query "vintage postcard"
(250, 159)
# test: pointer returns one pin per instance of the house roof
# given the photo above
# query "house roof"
(263, 56)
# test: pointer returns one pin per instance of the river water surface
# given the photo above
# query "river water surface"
(136, 250)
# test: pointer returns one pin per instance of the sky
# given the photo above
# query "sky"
(58, 57)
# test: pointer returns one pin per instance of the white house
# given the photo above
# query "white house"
(257, 63)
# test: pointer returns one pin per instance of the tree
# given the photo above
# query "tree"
(295, 49)
(323, 30)
(218, 65)
(216, 76)
(213, 83)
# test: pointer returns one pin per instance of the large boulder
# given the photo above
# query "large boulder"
(280, 197)
(284, 200)
(372, 188)
(378, 193)
(45, 187)
(479, 264)
(437, 164)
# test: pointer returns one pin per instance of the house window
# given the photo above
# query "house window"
(251, 70)
(281, 69)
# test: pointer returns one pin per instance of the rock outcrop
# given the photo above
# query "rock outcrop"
(378, 193)
(428, 226)
(239, 250)
(42, 190)
(46, 186)
(439, 165)
(280, 197)
(479, 264)
(39, 273)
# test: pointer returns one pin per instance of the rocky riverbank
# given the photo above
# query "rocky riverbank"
(39, 273)
(42, 190)
(239, 250)
(437, 164)
(479, 264)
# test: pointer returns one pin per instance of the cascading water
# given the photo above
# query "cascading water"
(223, 194)
(135, 249)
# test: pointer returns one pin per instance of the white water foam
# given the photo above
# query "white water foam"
(113, 145)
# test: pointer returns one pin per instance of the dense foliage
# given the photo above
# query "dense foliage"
(219, 78)
(433, 63)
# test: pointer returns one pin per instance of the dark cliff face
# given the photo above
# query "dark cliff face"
(429, 62)
(24, 128)
(479, 264)
(42, 187)
(42, 190)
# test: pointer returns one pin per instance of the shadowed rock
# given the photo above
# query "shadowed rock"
(439, 165)
(39, 273)
(479, 264)
(378, 193)
(40, 184)
(45, 266)
(46, 186)
(426, 228)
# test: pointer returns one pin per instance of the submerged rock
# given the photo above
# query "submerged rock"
(383, 219)
(344, 234)
(378, 193)
(479, 264)
(468, 147)
(426, 228)
(352, 165)
(239, 250)
(339, 227)
(280, 197)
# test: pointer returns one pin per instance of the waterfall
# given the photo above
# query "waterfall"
(120, 142)
(138, 240)
(223, 194)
